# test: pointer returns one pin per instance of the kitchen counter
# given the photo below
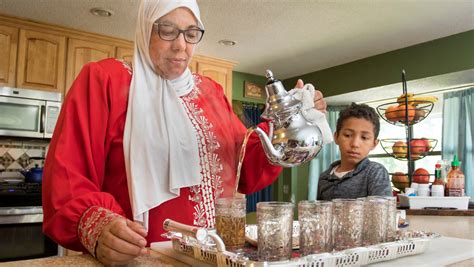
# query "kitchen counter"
(441, 212)
(449, 226)
(154, 259)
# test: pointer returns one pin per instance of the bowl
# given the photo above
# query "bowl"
(398, 148)
(395, 113)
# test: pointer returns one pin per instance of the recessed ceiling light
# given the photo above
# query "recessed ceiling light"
(101, 12)
(227, 42)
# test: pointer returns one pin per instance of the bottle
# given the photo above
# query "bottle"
(437, 188)
(455, 185)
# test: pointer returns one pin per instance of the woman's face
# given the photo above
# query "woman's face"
(171, 58)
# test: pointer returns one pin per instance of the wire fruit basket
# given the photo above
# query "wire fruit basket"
(212, 251)
(398, 148)
(395, 112)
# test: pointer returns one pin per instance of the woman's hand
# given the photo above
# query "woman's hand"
(319, 102)
(120, 242)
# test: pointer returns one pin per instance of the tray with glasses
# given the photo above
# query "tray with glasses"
(210, 249)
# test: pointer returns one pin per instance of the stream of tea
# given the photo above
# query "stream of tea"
(241, 158)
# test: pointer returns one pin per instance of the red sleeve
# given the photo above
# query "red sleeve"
(257, 172)
(75, 163)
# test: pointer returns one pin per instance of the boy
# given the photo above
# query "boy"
(355, 175)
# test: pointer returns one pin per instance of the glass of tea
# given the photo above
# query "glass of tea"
(230, 221)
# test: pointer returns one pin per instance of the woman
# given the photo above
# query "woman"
(134, 147)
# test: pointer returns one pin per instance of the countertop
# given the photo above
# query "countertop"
(441, 212)
(448, 226)
(154, 259)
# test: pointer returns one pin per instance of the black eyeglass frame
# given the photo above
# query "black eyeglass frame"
(157, 24)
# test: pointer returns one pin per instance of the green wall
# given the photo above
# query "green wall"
(440, 56)
(238, 79)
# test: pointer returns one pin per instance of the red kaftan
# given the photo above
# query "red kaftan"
(85, 162)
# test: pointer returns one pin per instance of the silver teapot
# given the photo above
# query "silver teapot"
(292, 139)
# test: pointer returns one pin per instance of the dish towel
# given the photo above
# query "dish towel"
(306, 96)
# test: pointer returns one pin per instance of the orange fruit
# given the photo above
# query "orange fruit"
(401, 112)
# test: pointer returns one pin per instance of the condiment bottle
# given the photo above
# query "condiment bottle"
(455, 185)
(437, 188)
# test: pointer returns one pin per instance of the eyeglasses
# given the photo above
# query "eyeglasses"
(169, 32)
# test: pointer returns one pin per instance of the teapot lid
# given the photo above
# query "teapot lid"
(279, 102)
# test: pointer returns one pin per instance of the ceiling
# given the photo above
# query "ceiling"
(292, 37)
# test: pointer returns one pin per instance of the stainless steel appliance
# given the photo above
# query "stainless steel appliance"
(28, 113)
(21, 223)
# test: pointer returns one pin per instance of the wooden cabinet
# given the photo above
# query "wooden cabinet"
(125, 53)
(41, 61)
(193, 66)
(8, 52)
(81, 52)
(217, 69)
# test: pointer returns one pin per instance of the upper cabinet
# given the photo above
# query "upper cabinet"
(217, 69)
(8, 52)
(81, 52)
(125, 54)
(41, 61)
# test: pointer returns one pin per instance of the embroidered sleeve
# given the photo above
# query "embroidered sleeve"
(91, 224)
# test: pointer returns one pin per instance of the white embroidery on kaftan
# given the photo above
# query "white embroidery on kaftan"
(211, 167)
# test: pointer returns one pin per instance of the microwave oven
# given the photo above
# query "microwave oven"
(28, 113)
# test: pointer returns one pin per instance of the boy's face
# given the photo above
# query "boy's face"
(355, 139)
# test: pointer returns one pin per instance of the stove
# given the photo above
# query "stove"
(20, 194)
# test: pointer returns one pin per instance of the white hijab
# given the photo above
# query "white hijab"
(160, 143)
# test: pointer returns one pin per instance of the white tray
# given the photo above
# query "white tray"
(351, 257)
(417, 202)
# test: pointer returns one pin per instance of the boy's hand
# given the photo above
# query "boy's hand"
(319, 102)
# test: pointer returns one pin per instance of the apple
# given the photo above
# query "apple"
(418, 146)
(391, 113)
(427, 144)
(399, 149)
(400, 177)
(421, 176)
(420, 114)
(400, 180)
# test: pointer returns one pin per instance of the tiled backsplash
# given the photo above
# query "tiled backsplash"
(15, 154)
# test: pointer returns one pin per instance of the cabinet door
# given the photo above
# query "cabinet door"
(41, 60)
(193, 66)
(125, 53)
(81, 52)
(8, 50)
(221, 75)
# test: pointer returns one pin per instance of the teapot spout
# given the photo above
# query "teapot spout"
(272, 154)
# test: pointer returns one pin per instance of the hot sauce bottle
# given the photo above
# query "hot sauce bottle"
(455, 184)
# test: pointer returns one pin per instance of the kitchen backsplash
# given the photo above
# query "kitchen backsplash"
(15, 154)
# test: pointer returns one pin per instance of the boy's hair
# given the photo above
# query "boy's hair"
(359, 111)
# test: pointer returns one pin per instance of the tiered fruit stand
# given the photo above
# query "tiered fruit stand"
(407, 111)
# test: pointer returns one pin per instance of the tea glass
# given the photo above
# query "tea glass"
(315, 219)
(348, 218)
(230, 221)
(391, 221)
(392, 224)
(275, 230)
(375, 220)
